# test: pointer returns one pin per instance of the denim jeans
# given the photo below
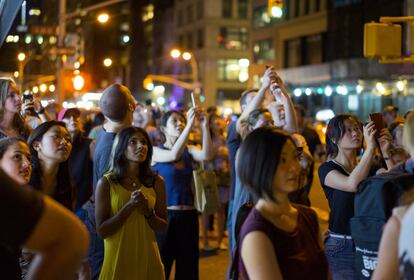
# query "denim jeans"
(96, 247)
(340, 255)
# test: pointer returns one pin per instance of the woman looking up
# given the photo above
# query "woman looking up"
(173, 161)
(11, 122)
(130, 206)
(50, 147)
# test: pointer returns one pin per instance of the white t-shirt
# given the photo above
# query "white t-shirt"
(406, 245)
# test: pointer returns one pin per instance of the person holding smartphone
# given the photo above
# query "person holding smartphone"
(174, 162)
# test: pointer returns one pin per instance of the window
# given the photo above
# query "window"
(317, 5)
(261, 17)
(293, 53)
(233, 70)
(297, 8)
(233, 38)
(263, 51)
(303, 51)
(200, 38)
(243, 8)
(200, 9)
(189, 41)
(227, 8)
(180, 18)
(313, 49)
(190, 15)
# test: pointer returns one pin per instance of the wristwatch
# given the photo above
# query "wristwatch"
(152, 214)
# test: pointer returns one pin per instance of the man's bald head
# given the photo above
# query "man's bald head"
(115, 102)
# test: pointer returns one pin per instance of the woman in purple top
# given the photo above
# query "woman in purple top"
(278, 240)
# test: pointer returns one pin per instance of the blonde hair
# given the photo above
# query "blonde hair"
(408, 136)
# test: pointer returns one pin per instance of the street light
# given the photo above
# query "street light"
(103, 18)
(107, 62)
(21, 57)
(176, 53)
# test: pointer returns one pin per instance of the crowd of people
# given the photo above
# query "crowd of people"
(128, 176)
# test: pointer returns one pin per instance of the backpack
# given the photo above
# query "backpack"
(242, 214)
(374, 201)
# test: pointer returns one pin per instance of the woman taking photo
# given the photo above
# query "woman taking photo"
(173, 161)
(278, 240)
(130, 206)
(50, 147)
(11, 122)
(339, 177)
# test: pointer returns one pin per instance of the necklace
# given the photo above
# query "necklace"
(132, 182)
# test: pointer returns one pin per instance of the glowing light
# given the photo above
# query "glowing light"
(43, 87)
(107, 62)
(21, 56)
(228, 111)
(380, 87)
(161, 100)
(400, 85)
(319, 90)
(91, 96)
(186, 56)
(244, 62)
(103, 18)
(28, 39)
(328, 91)
(342, 90)
(175, 53)
(125, 39)
(359, 89)
(52, 40)
(150, 86)
(243, 76)
(159, 90)
(76, 65)
(78, 82)
(297, 92)
(40, 40)
(16, 74)
(52, 88)
(35, 89)
(308, 91)
(277, 12)
(324, 115)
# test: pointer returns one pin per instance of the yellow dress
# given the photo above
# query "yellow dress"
(132, 252)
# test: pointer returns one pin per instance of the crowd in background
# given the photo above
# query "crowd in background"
(126, 171)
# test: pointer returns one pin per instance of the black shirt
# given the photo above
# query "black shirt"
(312, 138)
(233, 142)
(340, 202)
(20, 210)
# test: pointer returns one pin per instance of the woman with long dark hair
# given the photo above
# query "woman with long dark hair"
(130, 206)
(50, 146)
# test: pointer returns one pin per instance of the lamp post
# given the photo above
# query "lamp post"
(21, 57)
(176, 53)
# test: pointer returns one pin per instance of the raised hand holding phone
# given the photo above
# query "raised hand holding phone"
(195, 99)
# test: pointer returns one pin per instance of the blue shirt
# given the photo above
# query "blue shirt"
(102, 155)
(178, 177)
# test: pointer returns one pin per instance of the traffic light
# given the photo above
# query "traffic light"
(382, 40)
(275, 8)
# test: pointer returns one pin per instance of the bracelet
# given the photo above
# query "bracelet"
(150, 215)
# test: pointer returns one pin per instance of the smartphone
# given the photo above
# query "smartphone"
(195, 99)
(27, 97)
(378, 122)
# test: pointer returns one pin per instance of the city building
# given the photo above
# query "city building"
(217, 34)
(317, 48)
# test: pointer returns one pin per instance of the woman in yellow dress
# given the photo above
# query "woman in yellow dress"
(130, 206)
